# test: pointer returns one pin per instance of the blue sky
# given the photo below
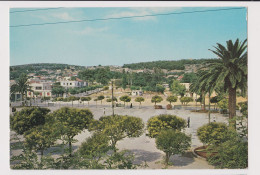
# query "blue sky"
(117, 42)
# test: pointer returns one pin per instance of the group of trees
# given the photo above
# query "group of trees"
(58, 90)
(169, 65)
(42, 129)
(230, 148)
(100, 75)
(228, 73)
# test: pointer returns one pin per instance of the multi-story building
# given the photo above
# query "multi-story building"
(42, 88)
(73, 83)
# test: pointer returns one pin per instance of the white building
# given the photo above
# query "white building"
(73, 83)
(137, 93)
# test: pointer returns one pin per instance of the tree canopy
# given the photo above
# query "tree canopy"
(28, 118)
(158, 123)
(118, 127)
(172, 142)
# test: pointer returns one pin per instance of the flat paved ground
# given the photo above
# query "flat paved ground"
(144, 147)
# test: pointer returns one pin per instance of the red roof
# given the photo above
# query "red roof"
(180, 77)
(77, 79)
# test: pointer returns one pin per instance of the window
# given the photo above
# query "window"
(70, 83)
(38, 88)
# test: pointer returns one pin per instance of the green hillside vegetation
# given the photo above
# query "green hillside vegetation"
(169, 65)
(15, 71)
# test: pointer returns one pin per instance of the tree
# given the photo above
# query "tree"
(94, 148)
(188, 77)
(140, 100)
(230, 69)
(118, 127)
(213, 133)
(110, 99)
(156, 99)
(85, 99)
(28, 118)
(71, 121)
(59, 99)
(223, 105)
(186, 100)
(177, 88)
(22, 86)
(158, 123)
(159, 88)
(96, 101)
(87, 75)
(125, 99)
(124, 80)
(72, 98)
(102, 76)
(101, 97)
(172, 142)
(58, 90)
(231, 153)
(216, 99)
(73, 91)
(41, 137)
(196, 87)
(172, 99)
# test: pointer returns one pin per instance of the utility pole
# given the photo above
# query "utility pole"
(112, 99)
(209, 106)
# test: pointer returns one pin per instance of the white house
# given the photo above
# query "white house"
(137, 93)
(73, 83)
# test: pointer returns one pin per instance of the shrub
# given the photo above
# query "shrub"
(233, 153)
(186, 100)
(105, 88)
(172, 99)
(158, 123)
(223, 105)
(156, 99)
(212, 133)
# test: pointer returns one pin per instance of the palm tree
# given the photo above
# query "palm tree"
(198, 86)
(22, 86)
(230, 69)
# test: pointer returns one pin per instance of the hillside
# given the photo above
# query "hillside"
(169, 65)
(40, 68)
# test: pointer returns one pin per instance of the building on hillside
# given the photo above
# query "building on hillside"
(137, 93)
(165, 85)
(180, 77)
(42, 87)
(73, 83)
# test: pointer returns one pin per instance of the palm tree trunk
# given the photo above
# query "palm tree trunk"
(203, 100)
(232, 105)
(196, 101)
